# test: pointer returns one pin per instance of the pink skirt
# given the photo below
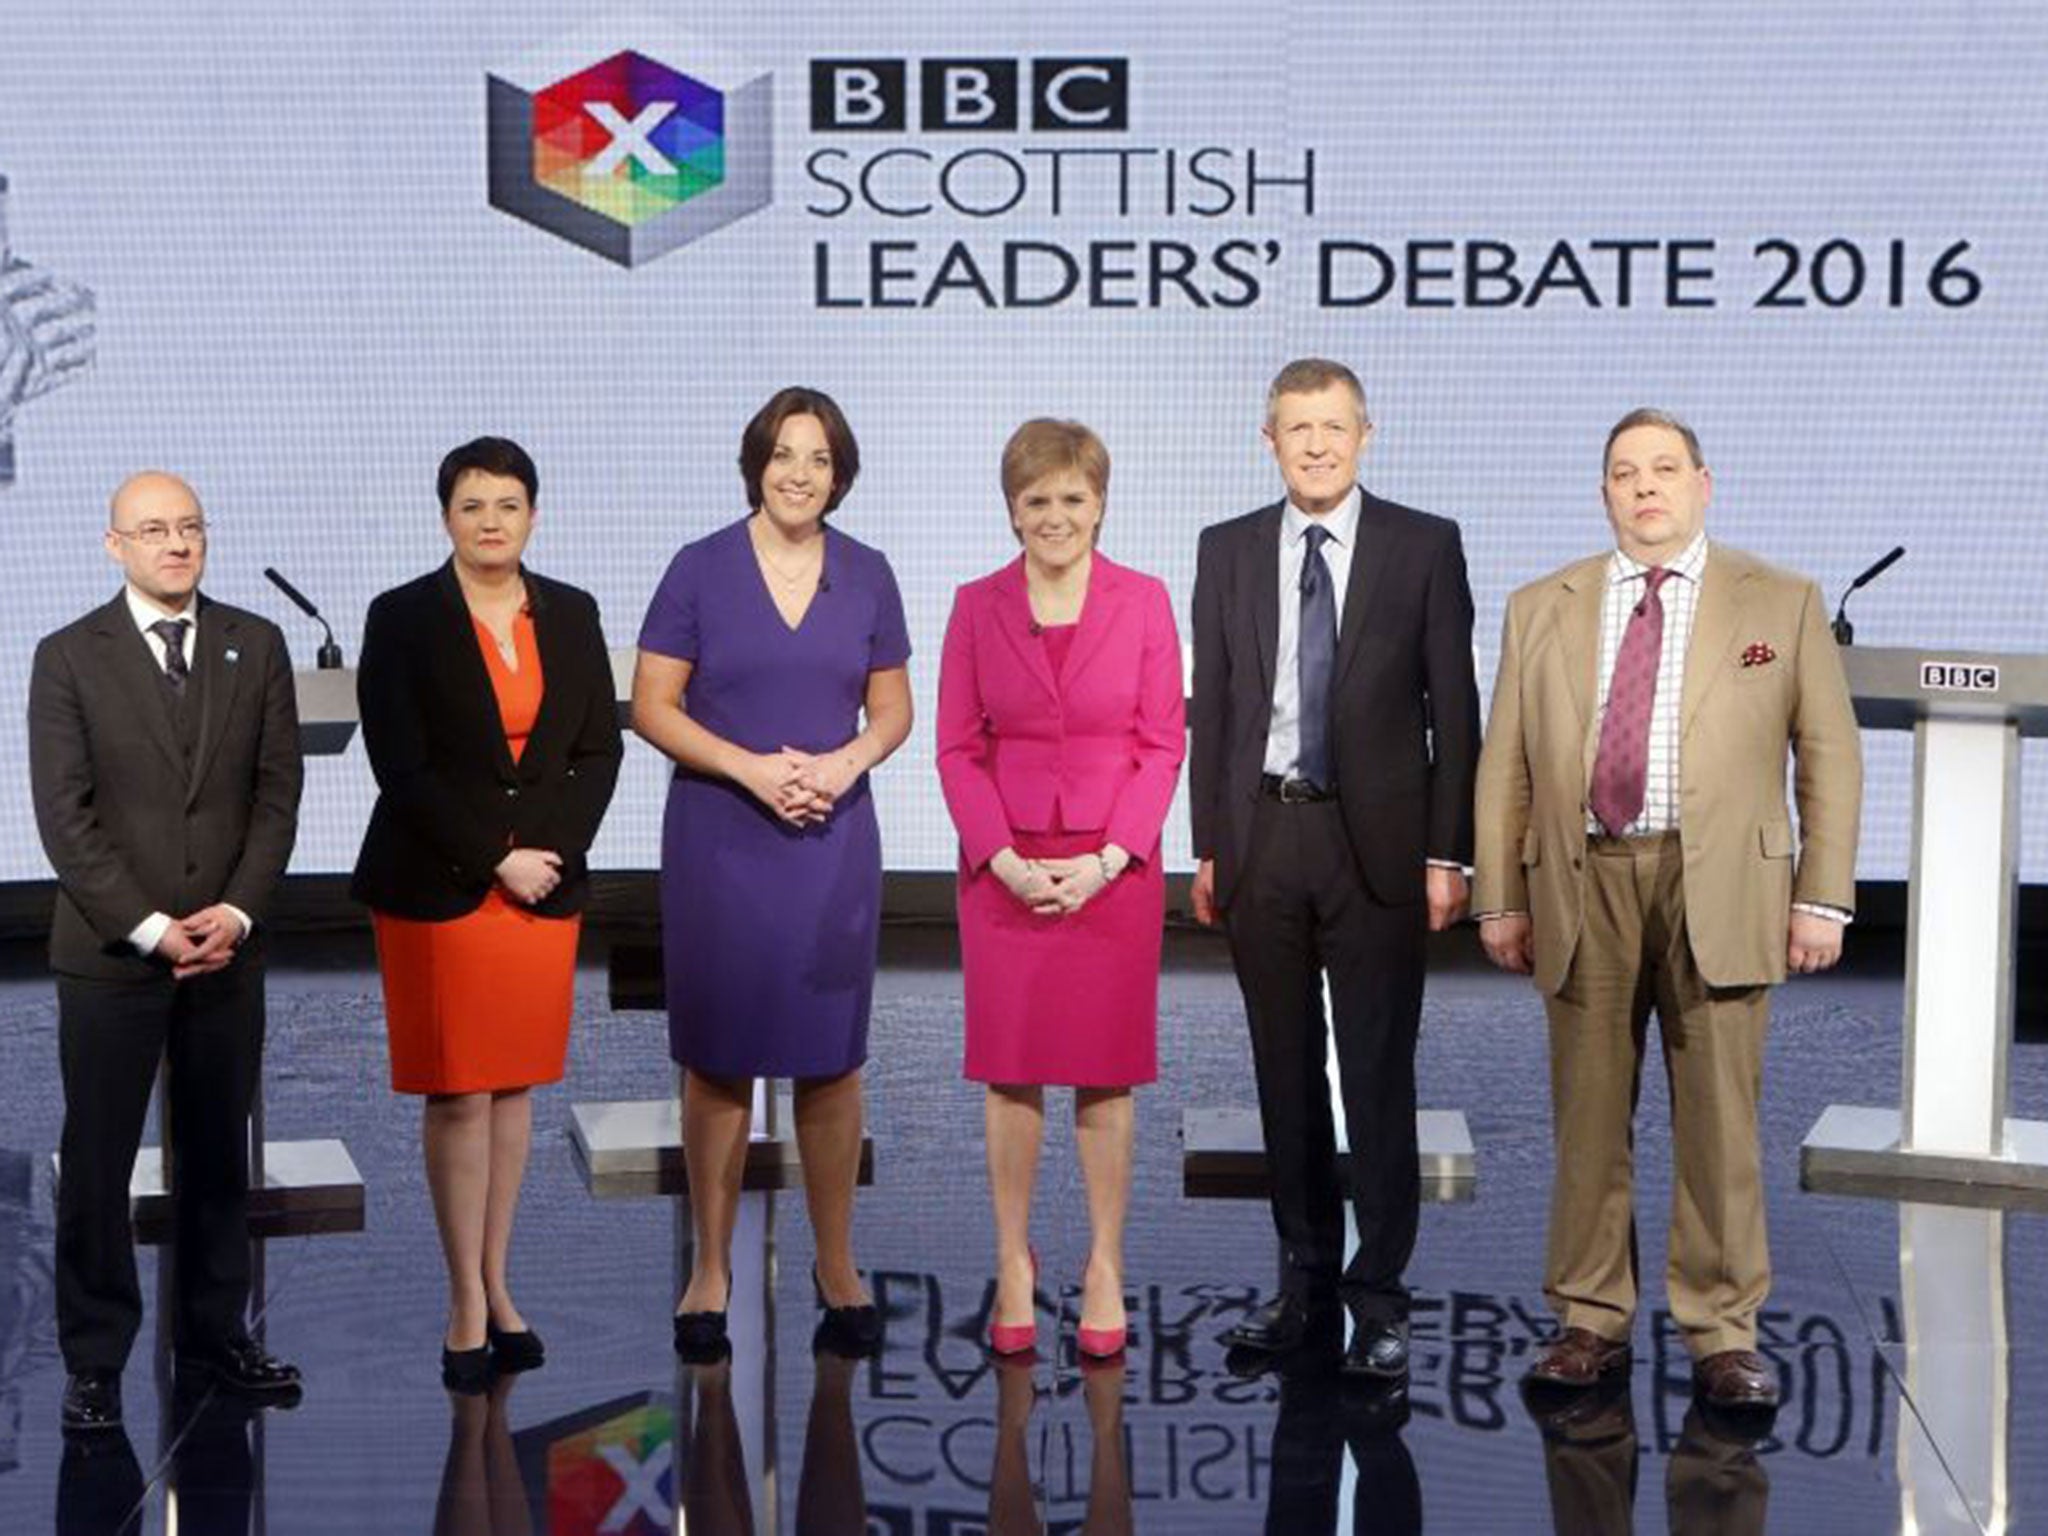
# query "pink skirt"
(1072, 1001)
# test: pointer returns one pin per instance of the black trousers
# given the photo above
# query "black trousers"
(1301, 909)
(111, 1036)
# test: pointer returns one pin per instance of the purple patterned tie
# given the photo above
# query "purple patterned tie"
(1621, 767)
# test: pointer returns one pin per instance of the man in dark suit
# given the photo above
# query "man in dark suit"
(164, 758)
(1336, 731)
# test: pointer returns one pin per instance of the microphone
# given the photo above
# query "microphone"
(329, 659)
(1844, 631)
(1037, 629)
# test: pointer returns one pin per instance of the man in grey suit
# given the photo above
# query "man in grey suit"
(164, 760)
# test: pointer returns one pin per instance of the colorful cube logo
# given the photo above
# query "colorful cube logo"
(604, 140)
(609, 1469)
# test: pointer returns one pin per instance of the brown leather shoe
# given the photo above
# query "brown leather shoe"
(1578, 1357)
(1736, 1378)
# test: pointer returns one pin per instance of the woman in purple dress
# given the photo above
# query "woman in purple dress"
(765, 646)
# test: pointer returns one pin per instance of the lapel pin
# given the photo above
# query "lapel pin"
(231, 656)
(1758, 654)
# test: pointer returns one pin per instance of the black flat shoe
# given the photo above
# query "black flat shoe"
(856, 1329)
(467, 1371)
(244, 1366)
(701, 1337)
(92, 1402)
(522, 1351)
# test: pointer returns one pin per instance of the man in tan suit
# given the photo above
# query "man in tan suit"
(1634, 851)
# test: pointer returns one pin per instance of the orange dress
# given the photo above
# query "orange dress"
(482, 1002)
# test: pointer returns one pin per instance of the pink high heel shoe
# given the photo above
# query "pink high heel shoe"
(1100, 1343)
(1016, 1338)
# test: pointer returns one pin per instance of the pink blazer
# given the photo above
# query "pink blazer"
(1099, 746)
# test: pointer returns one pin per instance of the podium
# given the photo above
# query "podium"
(1967, 712)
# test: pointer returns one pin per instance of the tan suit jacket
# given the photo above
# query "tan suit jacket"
(1743, 865)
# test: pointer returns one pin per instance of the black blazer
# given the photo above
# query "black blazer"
(128, 829)
(450, 799)
(1405, 737)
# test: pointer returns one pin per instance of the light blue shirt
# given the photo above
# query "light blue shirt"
(1283, 734)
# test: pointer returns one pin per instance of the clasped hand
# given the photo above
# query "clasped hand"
(202, 943)
(802, 788)
(530, 874)
(1051, 887)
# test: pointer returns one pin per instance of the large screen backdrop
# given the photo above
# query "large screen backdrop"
(296, 254)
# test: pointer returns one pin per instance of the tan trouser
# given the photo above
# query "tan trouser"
(1633, 955)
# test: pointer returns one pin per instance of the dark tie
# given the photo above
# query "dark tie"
(1318, 659)
(172, 633)
(1621, 767)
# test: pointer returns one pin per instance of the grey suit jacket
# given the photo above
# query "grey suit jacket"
(127, 828)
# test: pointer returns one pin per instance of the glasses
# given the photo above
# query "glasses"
(157, 534)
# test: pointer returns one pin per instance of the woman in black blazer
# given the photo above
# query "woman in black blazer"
(491, 724)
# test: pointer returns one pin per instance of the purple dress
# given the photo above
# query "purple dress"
(769, 932)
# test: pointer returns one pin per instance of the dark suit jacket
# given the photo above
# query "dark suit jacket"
(451, 802)
(127, 829)
(1405, 737)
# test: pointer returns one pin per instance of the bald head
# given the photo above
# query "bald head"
(156, 533)
(152, 493)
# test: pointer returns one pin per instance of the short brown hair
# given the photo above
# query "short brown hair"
(490, 456)
(1307, 375)
(757, 443)
(1650, 416)
(1043, 446)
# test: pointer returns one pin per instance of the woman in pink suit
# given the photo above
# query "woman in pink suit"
(1061, 732)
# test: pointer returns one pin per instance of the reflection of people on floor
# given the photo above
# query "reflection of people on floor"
(1714, 1484)
(482, 1493)
(715, 1492)
(1109, 1476)
(99, 1484)
(1013, 1498)
(829, 1496)
(213, 1470)
(1320, 1418)
(1590, 1457)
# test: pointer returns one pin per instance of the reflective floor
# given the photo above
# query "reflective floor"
(1912, 1338)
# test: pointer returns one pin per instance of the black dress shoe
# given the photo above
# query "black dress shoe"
(242, 1365)
(1282, 1325)
(855, 1330)
(1379, 1350)
(467, 1371)
(701, 1338)
(92, 1401)
(521, 1351)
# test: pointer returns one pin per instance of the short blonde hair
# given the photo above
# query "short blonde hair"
(1312, 375)
(1044, 446)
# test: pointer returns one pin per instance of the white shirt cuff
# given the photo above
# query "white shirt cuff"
(1463, 869)
(150, 932)
(1818, 909)
(248, 923)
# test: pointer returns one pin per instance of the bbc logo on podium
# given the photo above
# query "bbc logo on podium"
(1958, 677)
(1068, 95)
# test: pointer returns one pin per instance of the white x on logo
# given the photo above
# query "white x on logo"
(629, 139)
(642, 1494)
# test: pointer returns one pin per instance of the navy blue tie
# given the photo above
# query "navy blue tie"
(1318, 659)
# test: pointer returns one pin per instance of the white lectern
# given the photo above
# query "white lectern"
(1967, 712)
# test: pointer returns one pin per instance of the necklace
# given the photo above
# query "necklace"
(807, 570)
